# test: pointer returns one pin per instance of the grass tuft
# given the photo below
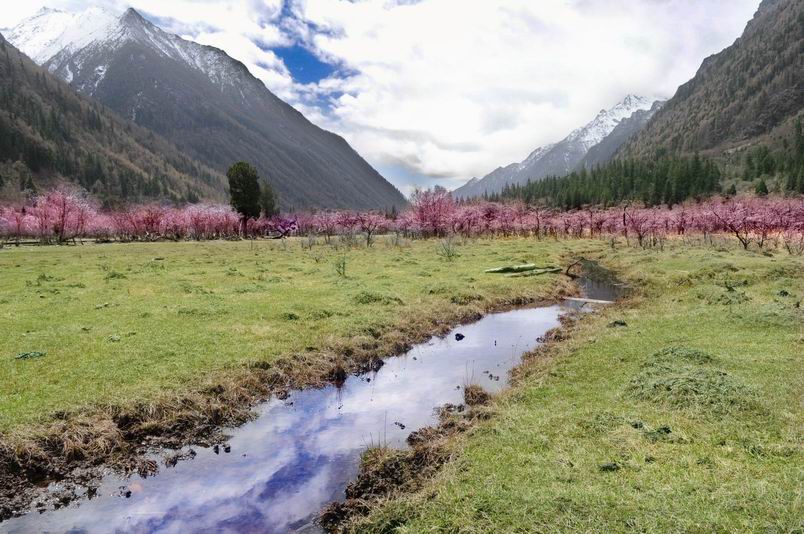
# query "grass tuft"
(681, 378)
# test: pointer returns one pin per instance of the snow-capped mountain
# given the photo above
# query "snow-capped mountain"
(497, 179)
(66, 41)
(557, 159)
(625, 130)
(51, 31)
(98, 150)
(204, 101)
(607, 120)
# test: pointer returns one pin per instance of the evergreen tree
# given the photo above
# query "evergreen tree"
(653, 182)
(268, 200)
(762, 188)
(244, 191)
(731, 191)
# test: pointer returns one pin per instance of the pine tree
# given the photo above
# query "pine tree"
(268, 200)
(762, 188)
(244, 191)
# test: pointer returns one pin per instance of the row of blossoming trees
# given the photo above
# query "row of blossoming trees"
(63, 216)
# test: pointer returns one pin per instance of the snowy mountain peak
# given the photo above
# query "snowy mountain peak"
(607, 119)
(46, 11)
(51, 31)
(63, 41)
(132, 17)
(560, 158)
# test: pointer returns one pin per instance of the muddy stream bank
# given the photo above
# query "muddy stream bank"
(277, 472)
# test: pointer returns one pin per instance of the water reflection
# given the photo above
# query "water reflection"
(301, 452)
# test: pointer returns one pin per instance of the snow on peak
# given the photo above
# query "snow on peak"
(535, 156)
(608, 119)
(52, 34)
(50, 31)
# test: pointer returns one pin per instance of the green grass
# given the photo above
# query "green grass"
(688, 419)
(122, 323)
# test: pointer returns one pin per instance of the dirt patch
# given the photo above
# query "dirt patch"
(475, 395)
(74, 447)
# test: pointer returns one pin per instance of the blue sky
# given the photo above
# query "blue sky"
(304, 66)
(439, 91)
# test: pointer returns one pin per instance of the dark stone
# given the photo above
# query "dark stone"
(609, 467)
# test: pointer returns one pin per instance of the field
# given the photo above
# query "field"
(684, 415)
(687, 418)
(126, 323)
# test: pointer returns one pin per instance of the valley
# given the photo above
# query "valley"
(245, 285)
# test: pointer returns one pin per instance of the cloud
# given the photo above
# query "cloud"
(438, 91)
(453, 89)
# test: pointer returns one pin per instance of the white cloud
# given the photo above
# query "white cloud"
(450, 89)
(454, 88)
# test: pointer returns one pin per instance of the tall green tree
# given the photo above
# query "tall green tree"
(268, 200)
(244, 191)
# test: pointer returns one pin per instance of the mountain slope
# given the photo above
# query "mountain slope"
(205, 102)
(737, 95)
(49, 133)
(558, 159)
(604, 151)
(496, 180)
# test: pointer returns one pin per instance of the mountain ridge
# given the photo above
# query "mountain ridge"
(559, 158)
(49, 133)
(211, 106)
(739, 94)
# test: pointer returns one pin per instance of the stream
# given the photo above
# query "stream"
(278, 471)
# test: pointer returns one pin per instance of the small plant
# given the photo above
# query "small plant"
(448, 249)
(340, 266)
(309, 242)
(475, 395)
(397, 241)
(348, 240)
(372, 297)
(114, 275)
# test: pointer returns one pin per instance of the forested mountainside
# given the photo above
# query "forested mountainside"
(649, 181)
(205, 102)
(49, 133)
(739, 97)
(604, 151)
(735, 127)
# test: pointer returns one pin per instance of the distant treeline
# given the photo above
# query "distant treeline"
(664, 181)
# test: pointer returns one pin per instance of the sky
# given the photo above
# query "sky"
(440, 91)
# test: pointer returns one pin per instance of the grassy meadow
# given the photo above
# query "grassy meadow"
(120, 323)
(684, 415)
(687, 419)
